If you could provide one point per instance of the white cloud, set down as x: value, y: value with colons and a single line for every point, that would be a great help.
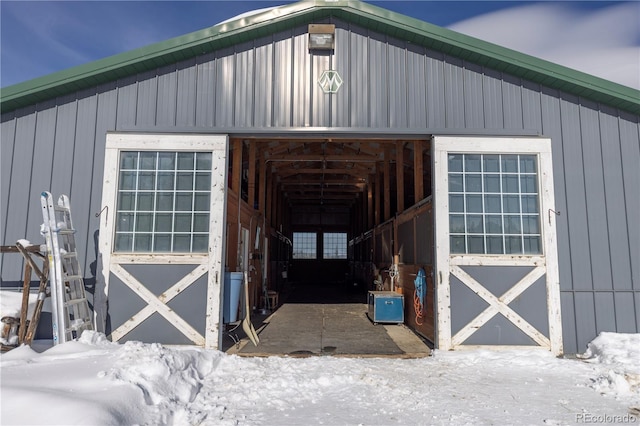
x: 602, y: 42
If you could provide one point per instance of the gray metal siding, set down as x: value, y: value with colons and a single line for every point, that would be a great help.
x: 388, y: 84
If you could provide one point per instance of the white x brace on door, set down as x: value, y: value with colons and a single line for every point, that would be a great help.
x: 164, y: 199
x: 494, y: 212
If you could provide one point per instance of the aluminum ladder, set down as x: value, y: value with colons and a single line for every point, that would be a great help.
x: 69, y: 306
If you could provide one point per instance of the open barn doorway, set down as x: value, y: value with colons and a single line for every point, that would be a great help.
x: 323, y: 204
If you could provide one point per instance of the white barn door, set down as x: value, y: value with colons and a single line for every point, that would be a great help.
x: 162, y: 237
x: 496, y: 255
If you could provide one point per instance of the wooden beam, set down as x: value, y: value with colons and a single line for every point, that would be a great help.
x: 400, y: 176
x: 291, y: 172
x: 262, y: 185
x: 360, y: 158
x: 236, y: 180
x: 418, y: 171
x: 386, y: 176
x: 251, y: 196
x: 325, y: 198
x: 377, y: 201
x: 370, y: 193
x: 351, y: 180
x: 269, y: 195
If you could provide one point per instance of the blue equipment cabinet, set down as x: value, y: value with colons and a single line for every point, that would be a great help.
x: 386, y: 306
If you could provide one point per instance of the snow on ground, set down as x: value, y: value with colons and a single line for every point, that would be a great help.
x: 96, y: 382
x: 93, y: 381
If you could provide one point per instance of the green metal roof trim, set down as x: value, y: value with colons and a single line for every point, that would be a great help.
x: 289, y: 16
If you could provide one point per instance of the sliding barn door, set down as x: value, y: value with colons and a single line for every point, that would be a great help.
x: 162, y: 238
x: 496, y: 255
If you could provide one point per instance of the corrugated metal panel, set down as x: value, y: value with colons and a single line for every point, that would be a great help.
x: 167, y: 94
x: 576, y: 214
x: 283, y: 82
x: 264, y: 90
x: 127, y: 102
x: 613, y: 200
x: 630, y: 152
x: 397, y: 72
x: 224, y: 89
x: 355, y: 111
x: 625, y: 309
x: 492, y: 100
x: 186, y: 94
x: 320, y: 101
x: 300, y: 97
x: 605, y: 309
x: 595, y: 202
x: 585, y: 319
x: 146, y: 110
x: 340, y: 61
x: 567, y: 309
x: 416, y: 87
x: 454, y: 93
x: 378, y: 83
x: 531, y: 111
x: 511, y: 102
x: 473, y: 96
x: 206, y: 93
x: 436, y: 114
x: 40, y: 180
x: 242, y: 75
x: 81, y: 182
x: 7, y: 145
x: 19, y: 196
x: 63, y: 149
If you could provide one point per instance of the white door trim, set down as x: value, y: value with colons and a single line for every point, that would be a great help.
x: 209, y: 263
x: 448, y: 264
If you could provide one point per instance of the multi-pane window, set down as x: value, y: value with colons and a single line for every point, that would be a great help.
x: 493, y: 204
x: 163, y: 202
x: 334, y: 245
x: 304, y: 245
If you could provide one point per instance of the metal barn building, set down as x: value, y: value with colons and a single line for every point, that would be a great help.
x: 334, y: 140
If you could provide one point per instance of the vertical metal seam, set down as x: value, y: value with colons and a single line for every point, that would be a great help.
x: 564, y: 178
x: 234, y: 89
x: 155, y: 115
x: 137, y: 97
x: 273, y: 82
x: 606, y: 217
x: 91, y: 191
x: 254, y: 70
x: 292, y: 79
x: 626, y: 216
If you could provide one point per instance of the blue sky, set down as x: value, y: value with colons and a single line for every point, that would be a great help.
x: 40, y: 37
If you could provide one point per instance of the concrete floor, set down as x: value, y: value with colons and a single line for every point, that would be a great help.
x: 324, y: 320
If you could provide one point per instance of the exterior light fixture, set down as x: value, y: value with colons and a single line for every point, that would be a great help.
x: 321, y: 36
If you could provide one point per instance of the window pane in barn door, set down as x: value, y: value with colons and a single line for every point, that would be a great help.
x: 159, y: 194
x: 493, y: 204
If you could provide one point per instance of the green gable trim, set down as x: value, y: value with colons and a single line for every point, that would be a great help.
x: 264, y: 24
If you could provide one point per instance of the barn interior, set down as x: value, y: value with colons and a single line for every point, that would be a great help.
x: 323, y: 220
